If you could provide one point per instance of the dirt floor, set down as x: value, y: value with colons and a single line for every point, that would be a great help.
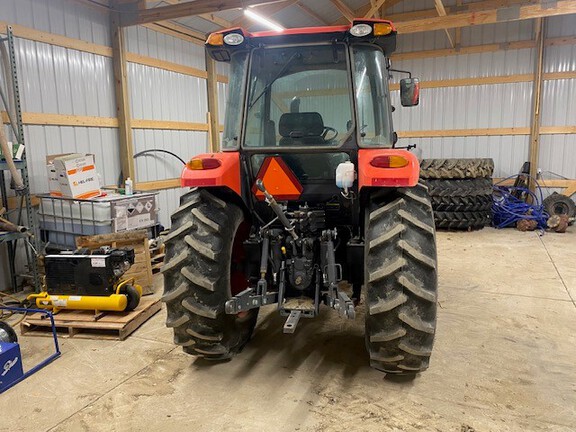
x: 504, y: 360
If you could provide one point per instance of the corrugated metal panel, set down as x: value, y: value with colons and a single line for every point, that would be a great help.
x: 199, y: 24
x: 158, y: 166
x: 293, y: 16
x: 141, y: 40
x: 65, y: 17
x: 64, y: 81
x: 168, y: 201
x: 508, y: 152
x: 492, y: 106
x: 561, y: 26
x: 158, y: 94
x: 57, y: 80
x: 486, y: 64
x: 557, y: 154
x: 46, y: 140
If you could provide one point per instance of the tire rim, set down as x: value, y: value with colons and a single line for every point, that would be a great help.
x: 561, y: 208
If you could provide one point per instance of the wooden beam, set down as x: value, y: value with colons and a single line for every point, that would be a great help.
x: 212, y: 91
x: 168, y: 125
x: 158, y: 185
x: 506, y: 131
x: 458, y: 31
x: 311, y: 13
x: 534, y: 148
x: 265, y: 10
x: 376, y: 4
x: 515, y: 13
x: 348, y: 13
x: 178, y: 31
x: 214, y: 19
x: 483, y: 5
x: 377, y: 13
x: 476, y: 49
x: 120, y: 69
x: 363, y: 10
x: 197, y: 7
x: 45, y: 119
x: 442, y: 12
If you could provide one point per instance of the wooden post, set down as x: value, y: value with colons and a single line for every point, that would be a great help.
x: 534, y: 148
x: 122, y: 97
x: 213, y: 118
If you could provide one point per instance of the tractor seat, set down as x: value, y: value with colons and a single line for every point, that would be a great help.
x: 301, y: 129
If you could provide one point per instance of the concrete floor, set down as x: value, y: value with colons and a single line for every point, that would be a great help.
x: 504, y: 360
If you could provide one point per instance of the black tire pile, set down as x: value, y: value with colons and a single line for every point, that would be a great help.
x: 460, y: 190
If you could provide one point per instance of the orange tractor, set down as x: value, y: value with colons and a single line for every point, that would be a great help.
x: 308, y: 191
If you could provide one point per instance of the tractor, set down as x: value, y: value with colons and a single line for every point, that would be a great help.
x: 308, y: 203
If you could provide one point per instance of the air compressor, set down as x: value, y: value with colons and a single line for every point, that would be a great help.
x: 86, y: 280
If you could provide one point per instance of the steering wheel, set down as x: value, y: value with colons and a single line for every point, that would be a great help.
x: 329, y: 129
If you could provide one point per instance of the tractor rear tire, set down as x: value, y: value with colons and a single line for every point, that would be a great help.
x: 198, y: 279
x: 465, y: 220
x: 459, y: 187
x: 401, y: 280
x: 456, y: 168
x: 476, y: 203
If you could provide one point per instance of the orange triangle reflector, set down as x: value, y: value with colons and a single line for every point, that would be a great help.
x: 278, y: 179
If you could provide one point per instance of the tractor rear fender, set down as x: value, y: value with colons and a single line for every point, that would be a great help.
x: 213, y: 170
x: 387, y: 168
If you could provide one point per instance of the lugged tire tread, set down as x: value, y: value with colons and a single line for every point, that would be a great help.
x: 197, y: 277
x: 400, y: 280
x: 456, y: 168
x: 459, y: 187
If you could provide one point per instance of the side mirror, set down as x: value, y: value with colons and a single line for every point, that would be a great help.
x: 410, y: 92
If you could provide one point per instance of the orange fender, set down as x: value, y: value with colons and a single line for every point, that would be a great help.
x: 225, y: 173
x: 392, y: 176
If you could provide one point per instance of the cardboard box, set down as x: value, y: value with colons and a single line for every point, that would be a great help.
x: 77, y: 176
x: 53, y: 182
x: 10, y: 364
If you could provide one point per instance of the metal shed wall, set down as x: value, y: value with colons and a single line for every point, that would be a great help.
x: 495, y: 105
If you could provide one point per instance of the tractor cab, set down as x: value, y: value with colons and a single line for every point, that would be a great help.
x: 312, y: 97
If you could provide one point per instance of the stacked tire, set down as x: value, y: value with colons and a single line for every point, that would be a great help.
x: 460, y: 190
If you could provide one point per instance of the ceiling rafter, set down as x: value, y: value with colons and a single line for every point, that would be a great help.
x: 465, y: 19
x: 197, y: 7
x: 442, y: 12
x: 266, y: 10
x: 214, y: 19
x: 363, y: 10
x: 376, y: 4
x: 348, y: 13
x: 311, y: 13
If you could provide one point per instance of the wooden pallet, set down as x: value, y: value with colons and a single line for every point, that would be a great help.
x: 141, y: 270
x: 85, y: 325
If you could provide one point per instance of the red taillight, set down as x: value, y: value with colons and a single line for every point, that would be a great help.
x: 203, y: 164
x: 392, y: 161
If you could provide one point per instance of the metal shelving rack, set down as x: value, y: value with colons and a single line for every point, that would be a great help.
x: 31, y: 242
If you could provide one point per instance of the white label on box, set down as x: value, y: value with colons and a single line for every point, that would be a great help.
x: 98, y: 262
x: 139, y: 221
x: 74, y: 298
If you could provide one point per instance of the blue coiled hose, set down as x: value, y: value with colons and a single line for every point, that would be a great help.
x: 508, y: 209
